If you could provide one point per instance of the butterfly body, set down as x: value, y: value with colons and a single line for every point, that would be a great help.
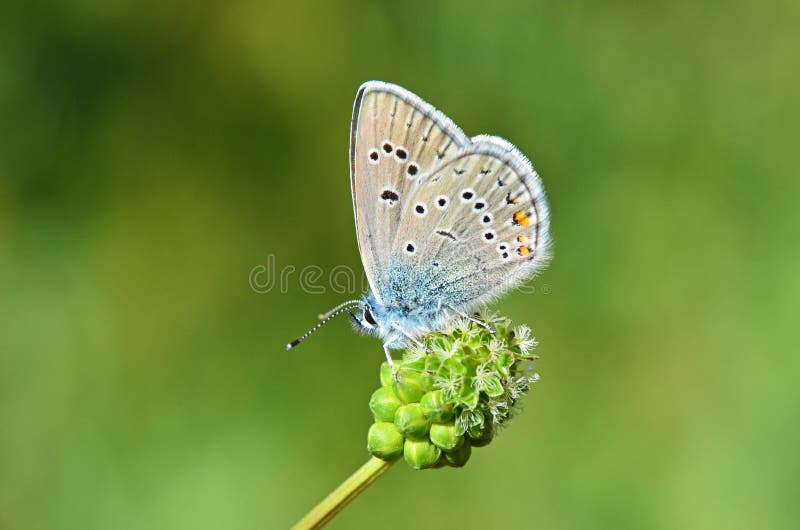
x: 445, y: 223
x: 415, y: 318
x: 413, y: 300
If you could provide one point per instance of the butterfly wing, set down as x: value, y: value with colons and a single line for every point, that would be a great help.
x: 396, y: 139
x: 475, y: 227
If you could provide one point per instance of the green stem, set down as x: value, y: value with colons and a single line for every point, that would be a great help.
x: 343, y: 495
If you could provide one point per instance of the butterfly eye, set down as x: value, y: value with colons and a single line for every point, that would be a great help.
x: 368, y: 318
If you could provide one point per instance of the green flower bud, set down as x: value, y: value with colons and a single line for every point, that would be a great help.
x: 481, y: 435
x: 426, y: 379
x: 384, y: 404
x: 421, y: 454
x: 386, y: 375
x: 413, y: 361
x: 442, y: 462
x: 504, y: 363
x: 410, y: 421
x: 501, y: 327
x: 443, y: 436
x: 436, y: 408
x: 460, y: 456
x: 384, y: 441
x: 432, y: 363
x: 408, y: 386
x: 455, y: 363
x: 469, y: 397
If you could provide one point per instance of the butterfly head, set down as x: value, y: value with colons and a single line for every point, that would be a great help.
x: 367, y: 317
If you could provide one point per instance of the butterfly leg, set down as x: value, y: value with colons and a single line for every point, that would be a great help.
x: 473, y: 319
x: 389, y: 357
x: 407, y: 335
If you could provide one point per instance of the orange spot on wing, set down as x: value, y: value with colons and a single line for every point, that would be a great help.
x: 521, y: 218
x: 521, y: 238
x: 523, y: 251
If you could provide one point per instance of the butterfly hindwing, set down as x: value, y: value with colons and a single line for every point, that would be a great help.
x: 475, y: 226
x: 396, y: 139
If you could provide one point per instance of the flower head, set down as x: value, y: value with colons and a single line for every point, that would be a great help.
x: 454, y: 396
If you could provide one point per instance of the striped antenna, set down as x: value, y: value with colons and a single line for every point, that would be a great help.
x: 349, y: 303
x: 325, y: 317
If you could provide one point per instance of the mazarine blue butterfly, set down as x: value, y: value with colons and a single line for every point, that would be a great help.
x: 445, y: 223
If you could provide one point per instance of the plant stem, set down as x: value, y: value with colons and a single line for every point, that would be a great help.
x: 343, y: 495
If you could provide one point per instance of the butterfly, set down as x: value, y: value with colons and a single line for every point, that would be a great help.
x: 445, y: 223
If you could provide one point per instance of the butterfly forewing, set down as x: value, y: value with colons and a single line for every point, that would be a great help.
x: 396, y: 140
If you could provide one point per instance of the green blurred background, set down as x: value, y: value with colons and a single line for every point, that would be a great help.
x: 153, y: 153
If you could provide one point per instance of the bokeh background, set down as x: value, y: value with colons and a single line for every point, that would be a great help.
x: 152, y: 154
